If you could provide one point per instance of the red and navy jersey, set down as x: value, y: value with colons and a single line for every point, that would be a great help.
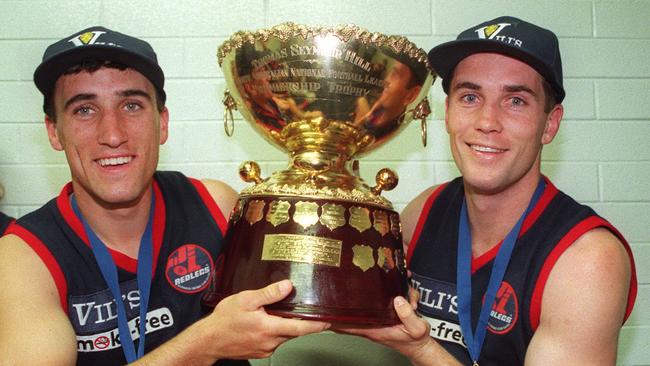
x: 4, y: 222
x: 549, y: 229
x: 188, y: 231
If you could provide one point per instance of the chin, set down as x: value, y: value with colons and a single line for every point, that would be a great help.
x: 480, y: 183
x: 120, y: 198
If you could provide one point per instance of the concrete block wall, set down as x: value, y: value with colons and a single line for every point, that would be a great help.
x: 600, y: 155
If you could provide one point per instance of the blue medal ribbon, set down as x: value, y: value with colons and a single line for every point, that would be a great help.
x: 474, y: 340
x: 109, y: 272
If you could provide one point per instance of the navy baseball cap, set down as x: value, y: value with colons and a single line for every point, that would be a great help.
x: 98, y: 43
x: 536, y: 46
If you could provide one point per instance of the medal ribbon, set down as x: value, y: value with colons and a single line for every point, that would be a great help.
x: 109, y: 272
x: 474, y: 340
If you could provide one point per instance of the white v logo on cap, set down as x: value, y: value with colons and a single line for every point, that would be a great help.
x: 491, y: 31
x: 86, y: 38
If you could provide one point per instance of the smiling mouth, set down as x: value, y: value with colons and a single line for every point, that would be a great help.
x: 485, y: 149
x: 115, y: 161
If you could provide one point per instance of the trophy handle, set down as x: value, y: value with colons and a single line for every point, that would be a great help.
x: 386, y: 180
x: 422, y: 111
x: 423, y: 128
x: 228, y: 119
x: 355, y: 168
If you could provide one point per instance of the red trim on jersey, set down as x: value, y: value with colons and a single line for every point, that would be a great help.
x: 483, y: 259
x: 424, y: 213
x: 550, y: 191
x: 121, y: 260
x: 48, y: 259
x: 547, y: 196
x: 7, y: 228
x: 212, y: 205
x: 581, y: 228
x: 158, y: 229
x: 63, y: 203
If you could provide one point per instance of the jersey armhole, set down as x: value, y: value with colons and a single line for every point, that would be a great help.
x: 582, y: 227
x: 212, y: 205
x: 424, y: 214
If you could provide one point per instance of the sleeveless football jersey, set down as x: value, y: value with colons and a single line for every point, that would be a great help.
x: 551, y: 227
x: 188, y: 230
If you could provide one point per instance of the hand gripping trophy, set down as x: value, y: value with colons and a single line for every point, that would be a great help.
x: 325, y: 96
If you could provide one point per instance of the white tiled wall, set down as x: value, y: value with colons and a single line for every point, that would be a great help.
x: 601, y: 155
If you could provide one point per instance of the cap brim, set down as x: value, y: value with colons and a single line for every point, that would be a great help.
x: 444, y: 58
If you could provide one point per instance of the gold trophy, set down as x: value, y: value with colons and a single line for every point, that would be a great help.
x: 325, y: 95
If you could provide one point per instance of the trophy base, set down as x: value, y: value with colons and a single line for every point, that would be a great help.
x: 347, y: 316
x: 344, y: 259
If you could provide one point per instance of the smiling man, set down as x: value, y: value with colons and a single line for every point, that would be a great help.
x: 113, y: 269
x: 509, y: 269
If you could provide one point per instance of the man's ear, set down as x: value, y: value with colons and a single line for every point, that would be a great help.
x: 53, y: 134
x: 447, y: 114
x: 164, y: 125
x: 553, y: 120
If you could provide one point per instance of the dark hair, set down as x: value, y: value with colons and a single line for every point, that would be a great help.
x: 549, y: 96
x: 92, y: 66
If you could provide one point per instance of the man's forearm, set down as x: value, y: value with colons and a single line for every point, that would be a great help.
x: 433, y: 354
x: 187, y: 348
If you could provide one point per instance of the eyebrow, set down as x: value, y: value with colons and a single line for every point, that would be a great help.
x: 467, y: 85
x: 135, y: 92
x: 79, y: 97
x: 519, y: 88
x: 91, y: 96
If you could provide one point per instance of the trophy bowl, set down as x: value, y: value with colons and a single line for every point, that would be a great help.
x: 324, y: 95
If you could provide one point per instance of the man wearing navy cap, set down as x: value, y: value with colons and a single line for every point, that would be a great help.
x: 509, y: 270
x: 113, y: 269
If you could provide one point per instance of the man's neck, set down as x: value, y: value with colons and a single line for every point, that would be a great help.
x: 119, y: 228
x: 492, y: 216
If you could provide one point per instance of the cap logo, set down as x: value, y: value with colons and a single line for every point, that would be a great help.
x: 492, y: 32
x: 86, y: 38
